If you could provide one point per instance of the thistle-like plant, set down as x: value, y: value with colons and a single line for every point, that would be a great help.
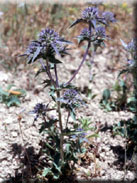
x: 60, y: 146
x: 44, y: 49
x: 130, y: 132
x: 95, y: 33
x: 116, y: 98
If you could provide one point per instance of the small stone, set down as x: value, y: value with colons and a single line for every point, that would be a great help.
x: 14, y: 134
x: 4, y: 76
x: 102, y: 155
x: 4, y: 162
x: 107, y: 149
x: 9, y: 120
x: 3, y: 145
x: 2, y: 156
x: 102, y: 172
x: 107, y: 154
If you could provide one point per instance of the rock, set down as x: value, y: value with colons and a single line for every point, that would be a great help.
x: 102, y: 172
x: 3, y: 145
x: 4, y: 76
x: 102, y: 155
x: 14, y: 134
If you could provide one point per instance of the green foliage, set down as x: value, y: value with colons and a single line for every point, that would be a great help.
x: 120, y: 101
x: 106, y: 100
x: 85, y: 124
x: 11, y: 97
x: 131, y: 102
x: 55, y: 167
x: 63, y: 140
x: 127, y: 129
x: 74, y: 137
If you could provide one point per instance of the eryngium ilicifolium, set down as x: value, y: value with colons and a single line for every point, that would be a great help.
x: 101, y: 32
x: 48, y: 44
x: 93, y: 16
x: 39, y: 109
x: 97, y: 35
x: 71, y: 99
x: 81, y: 135
x: 85, y: 35
x: 90, y: 13
x: 131, y: 47
x: 108, y: 17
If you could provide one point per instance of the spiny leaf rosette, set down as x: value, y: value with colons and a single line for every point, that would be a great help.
x: 49, y: 44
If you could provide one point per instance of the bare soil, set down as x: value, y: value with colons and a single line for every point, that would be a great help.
x: 19, y: 137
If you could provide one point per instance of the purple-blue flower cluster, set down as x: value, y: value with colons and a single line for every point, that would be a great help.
x: 97, y: 21
x: 71, y: 98
x: 101, y: 32
x: 48, y: 44
x: 108, y: 17
x: 39, y: 109
x: 92, y: 16
x: 96, y: 36
x: 131, y: 47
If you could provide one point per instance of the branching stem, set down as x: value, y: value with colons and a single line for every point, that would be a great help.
x: 83, y: 60
x: 56, y: 75
x: 47, y: 71
x: 67, y: 118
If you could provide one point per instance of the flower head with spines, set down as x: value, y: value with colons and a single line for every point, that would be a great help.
x: 39, y: 109
x: 49, y: 44
x: 71, y: 99
x: 101, y: 32
x: 131, y: 47
x: 92, y: 16
x: 108, y: 17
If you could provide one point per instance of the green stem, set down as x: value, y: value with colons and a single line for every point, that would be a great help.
x: 61, y: 127
x: 67, y: 119
x: 135, y: 91
x: 56, y: 75
x: 83, y: 60
x: 49, y: 73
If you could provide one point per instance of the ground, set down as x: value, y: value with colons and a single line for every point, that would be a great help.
x: 19, y: 136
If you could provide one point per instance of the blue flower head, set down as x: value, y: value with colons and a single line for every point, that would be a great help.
x: 101, y: 32
x: 39, y: 109
x: 108, y: 17
x: 48, y: 44
x: 90, y: 13
x: 131, y: 46
x: 92, y: 16
x: 71, y: 98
